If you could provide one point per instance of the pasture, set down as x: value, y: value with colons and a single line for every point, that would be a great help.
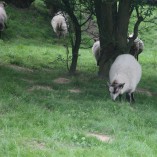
x: 47, y: 113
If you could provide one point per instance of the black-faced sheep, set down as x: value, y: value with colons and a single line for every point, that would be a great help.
x: 124, y: 75
x: 137, y: 47
x: 96, y: 50
x: 59, y: 24
x: 3, y: 17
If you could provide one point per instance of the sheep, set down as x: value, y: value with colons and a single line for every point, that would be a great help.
x: 3, y: 17
x: 137, y: 47
x: 124, y: 75
x: 59, y: 25
x: 96, y: 50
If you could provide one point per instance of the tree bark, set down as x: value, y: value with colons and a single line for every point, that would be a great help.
x: 113, y: 20
x: 75, y: 49
x: 77, y: 40
x: 105, y: 20
x: 122, y: 25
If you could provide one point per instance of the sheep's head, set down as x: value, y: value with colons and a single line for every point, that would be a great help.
x: 3, y: 4
x: 115, y: 89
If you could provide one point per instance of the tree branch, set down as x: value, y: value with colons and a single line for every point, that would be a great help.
x: 136, y: 26
x: 86, y: 20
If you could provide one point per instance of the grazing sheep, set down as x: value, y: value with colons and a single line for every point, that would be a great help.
x: 96, y: 50
x: 137, y: 47
x: 3, y: 17
x: 59, y: 25
x: 124, y: 75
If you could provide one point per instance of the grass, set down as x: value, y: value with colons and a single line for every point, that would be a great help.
x: 39, y: 117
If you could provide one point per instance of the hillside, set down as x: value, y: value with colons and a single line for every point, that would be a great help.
x: 46, y: 112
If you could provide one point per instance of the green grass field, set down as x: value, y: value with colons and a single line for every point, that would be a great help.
x: 44, y: 116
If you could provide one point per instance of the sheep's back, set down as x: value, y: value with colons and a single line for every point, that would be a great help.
x: 58, y: 19
x: 96, y: 49
x: 126, y: 66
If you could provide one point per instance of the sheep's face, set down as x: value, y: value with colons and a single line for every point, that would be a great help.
x: 3, y: 4
x: 115, y: 90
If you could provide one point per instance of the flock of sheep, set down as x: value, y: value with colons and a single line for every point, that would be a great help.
x: 125, y: 72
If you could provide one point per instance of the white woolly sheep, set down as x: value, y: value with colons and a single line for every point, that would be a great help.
x: 124, y: 75
x: 59, y: 25
x: 96, y: 50
x: 137, y: 47
x: 3, y: 17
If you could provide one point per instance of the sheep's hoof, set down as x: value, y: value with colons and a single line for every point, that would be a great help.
x: 132, y: 98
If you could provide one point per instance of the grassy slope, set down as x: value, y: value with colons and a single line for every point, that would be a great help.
x: 54, y: 122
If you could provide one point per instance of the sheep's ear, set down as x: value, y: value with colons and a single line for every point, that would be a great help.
x: 121, y: 85
x: 95, y: 39
x: 5, y: 4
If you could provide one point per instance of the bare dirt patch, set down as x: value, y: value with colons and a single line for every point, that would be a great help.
x: 27, y: 80
x: 74, y: 90
x: 36, y: 144
x: 62, y: 80
x: 103, y: 138
x: 18, y: 68
x: 46, y: 70
x: 146, y: 92
x: 39, y: 87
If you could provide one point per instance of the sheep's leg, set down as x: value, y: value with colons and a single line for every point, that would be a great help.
x: 132, y: 98
x: 120, y: 97
x: 137, y: 57
x: 128, y: 97
x: 5, y: 25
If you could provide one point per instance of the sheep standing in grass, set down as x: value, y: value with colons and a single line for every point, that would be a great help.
x: 124, y: 75
x: 3, y: 17
x: 96, y: 50
x: 137, y: 47
x: 59, y: 25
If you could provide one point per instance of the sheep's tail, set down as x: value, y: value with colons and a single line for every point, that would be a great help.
x: 59, y: 27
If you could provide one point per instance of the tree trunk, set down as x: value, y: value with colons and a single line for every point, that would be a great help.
x: 113, y: 20
x: 104, y: 70
x: 77, y: 40
x: 122, y: 25
x: 105, y: 20
x: 75, y: 49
